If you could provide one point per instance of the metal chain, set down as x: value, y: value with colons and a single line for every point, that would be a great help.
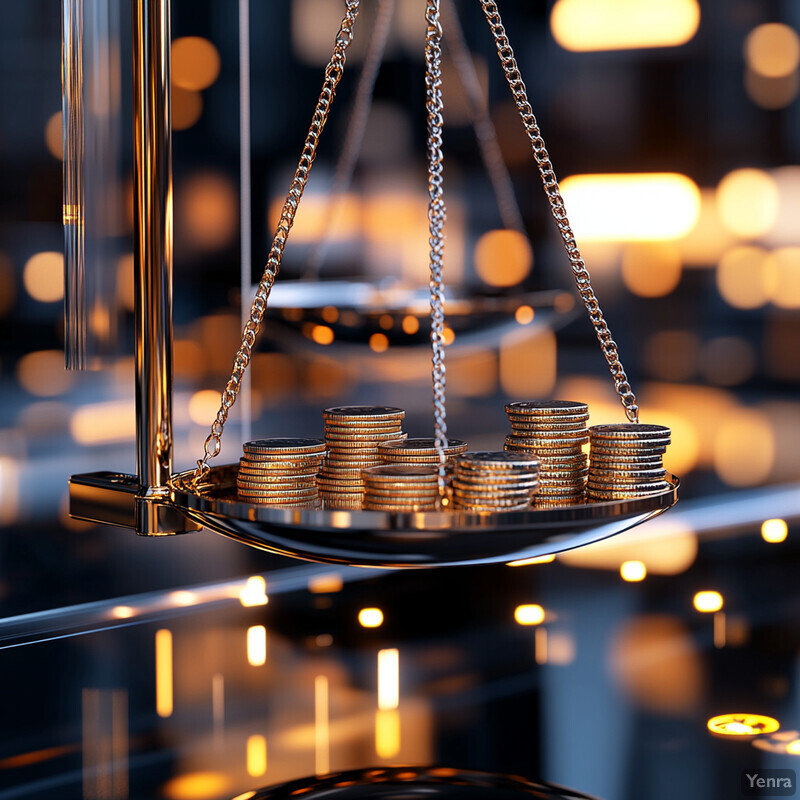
x: 333, y: 74
x: 540, y: 154
x: 436, y: 218
x: 354, y: 136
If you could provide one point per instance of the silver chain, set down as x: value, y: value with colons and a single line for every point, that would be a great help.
x: 436, y: 218
x: 333, y: 74
x: 551, y: 188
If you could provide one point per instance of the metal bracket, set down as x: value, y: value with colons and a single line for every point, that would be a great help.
x: 114, y: 498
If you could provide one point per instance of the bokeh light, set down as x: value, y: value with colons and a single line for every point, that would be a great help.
x: 748, y: 202
x: 43, y: 277
x: 203, y: 406
x: 42, y: 373
x: 708, y: 601
x: 503, y: 258
x: 195, y: 63
x: 54, y: 136
x: 529, y: 614
x: 370, y: 618
x: 744, y: 448
x: 728, y: 360
x: 772, y: 50
x: 322, y: 334
x: 208, y: 205
x: 187, y: 108
x: 379, y: 342
x: 742, y: 724
x: 745, y: 277
x: 633, y: 571
x: 774, y: 531
x: 771, y: 93
x: 584, y: 25
x: 783, y: 277
x: 410, y: 324
x: 651, y: 269
x: 524, y: 315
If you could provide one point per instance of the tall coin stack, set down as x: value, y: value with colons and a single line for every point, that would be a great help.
x: 626, y: 460
x: 555, y: 431
x: 280, y: 472
x: 401, y: 487
x: 352, y: 436
x: 501, y: 481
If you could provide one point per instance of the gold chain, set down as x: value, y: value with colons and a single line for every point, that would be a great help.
x: 333, y: 74
x: 579, y: 271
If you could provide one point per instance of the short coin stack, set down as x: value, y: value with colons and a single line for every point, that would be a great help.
x: 352, y: 436
x: 494, y: 481
x: 401, y: 487
x: 555, y: 432
x: 280, y: 472
x: 626, y: 460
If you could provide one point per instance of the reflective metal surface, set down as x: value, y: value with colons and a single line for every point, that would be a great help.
x: 402, y: 783
x: 152, y: 145
x: 371, y: 538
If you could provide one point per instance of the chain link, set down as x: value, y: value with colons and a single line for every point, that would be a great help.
x: 553, y: 192
x: 436, y: 218
x: 333, y: 74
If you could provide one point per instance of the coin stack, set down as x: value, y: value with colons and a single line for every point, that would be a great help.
x: 401, y: 487
x: 418, y: 451
x: 280, y: 472
x: 626, y: 460
x: 352, y: 436
x: 555, y: 431
x: 501, y: 481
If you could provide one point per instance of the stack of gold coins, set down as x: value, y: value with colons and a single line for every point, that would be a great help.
x: 501, y: 481
x: 401, y: 487
x: 626, y: 460
x: 418, y: 451
x: 555, y: 431
x: 280, y: 471
x: 352, y: 436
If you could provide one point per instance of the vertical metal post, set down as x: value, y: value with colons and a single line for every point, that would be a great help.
x: 152, y: 181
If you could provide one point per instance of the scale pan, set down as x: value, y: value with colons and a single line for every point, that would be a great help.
x: 404, y: 783
x: 406, y: 539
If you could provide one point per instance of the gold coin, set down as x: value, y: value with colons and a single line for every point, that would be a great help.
x: 625, y: 493
x: 425, y: 446
x: 630, y: 431
x: 547, y: 407
x: 272, y: 462
x: 281, y: 446
x: 623, y: 459
x: 490, y: 508
x: 389, y: 472
x: 348, y: 413
x: 496, y: 460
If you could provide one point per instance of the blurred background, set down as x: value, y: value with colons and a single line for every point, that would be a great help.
x: 148, y: 668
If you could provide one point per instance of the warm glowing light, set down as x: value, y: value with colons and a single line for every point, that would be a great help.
x: 195, y: 63
x: 379, y: 342
x: 122, y: 612
x: 793, y: 748
x: 9, y: 490
x: 745, y: 277
x: 370, y: 617
x: 254, y: 592
x: 448, y: 335
x: 322, y: 334
x: 245, y: 796
x: 410, y: 324
x: 183, y: 598
x: 658, y: 206
x: 327, y: 583
x: 524, y: 562
x: 728, y: 360
x: 207, y: 204
x: 256, y: 645
x: 523, y: 376
x: 187, y: 108
x: 322, y: 755
x: 503, y: 258
x: 524, y: 315
x: 256, y: 756
x: 330, y: 314
x: 529, y: 614
x: 54, y: 136
x: 42, y: 373
x: 203, y: 406
x: 708, y: 601
x: 633, y: 571
x: 388, y: 679
x: 747, y: 201
x: 745, y: 436
x: 43, y: 277
x: 772, y: 50
x: 386, y: 321
x: 651, y: 269
x: 742, y: 724
x: 774, y: 531
x: 197, y: 786
x: 583, y: 25
x: 103, y: 423
x: 387, y: 733
x: 783, y: 278
x: 164, y: 672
